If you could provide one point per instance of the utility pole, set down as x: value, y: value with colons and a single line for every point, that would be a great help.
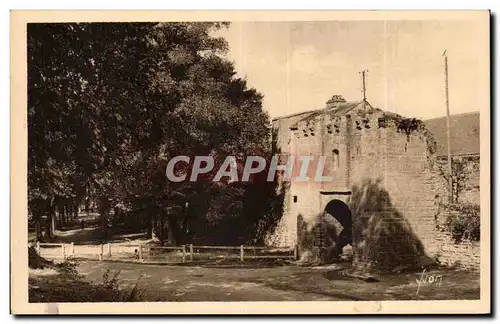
x: 450, y: 171
x: 320, y: 236
x: 363, y: 78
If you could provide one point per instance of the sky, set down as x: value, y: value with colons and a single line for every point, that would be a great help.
x: 298, y: 66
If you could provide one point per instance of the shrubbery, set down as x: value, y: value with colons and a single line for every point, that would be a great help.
x: 69, y: 286
x: 35, y: 261
x: 463, y: 221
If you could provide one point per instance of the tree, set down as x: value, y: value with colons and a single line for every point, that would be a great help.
x: 110, y: 103
x: 459, y: 177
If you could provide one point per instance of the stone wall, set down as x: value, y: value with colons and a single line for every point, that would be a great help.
x: 466, y: 181
x: 465, y: 254
x: 394, y: 193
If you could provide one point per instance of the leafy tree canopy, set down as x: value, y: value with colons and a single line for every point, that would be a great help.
x: 110, y: 103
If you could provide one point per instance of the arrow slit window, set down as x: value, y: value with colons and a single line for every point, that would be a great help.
x: 335, y: 158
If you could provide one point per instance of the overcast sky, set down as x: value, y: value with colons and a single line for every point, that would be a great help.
x: 298, y: 66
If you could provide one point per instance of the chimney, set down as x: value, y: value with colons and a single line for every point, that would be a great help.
x: 334, y: 101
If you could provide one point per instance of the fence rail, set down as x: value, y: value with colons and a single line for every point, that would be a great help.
x: 168, y: 254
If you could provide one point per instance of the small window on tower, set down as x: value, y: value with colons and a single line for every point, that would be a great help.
x: 336, y: 160
x: 294, y: 199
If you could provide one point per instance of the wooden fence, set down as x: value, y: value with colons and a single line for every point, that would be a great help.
x: 167, y: 254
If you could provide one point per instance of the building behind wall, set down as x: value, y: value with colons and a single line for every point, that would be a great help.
x: 385, y: 170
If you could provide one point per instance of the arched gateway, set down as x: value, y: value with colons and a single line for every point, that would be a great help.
x: 338, y: 225
x: 341, y: 213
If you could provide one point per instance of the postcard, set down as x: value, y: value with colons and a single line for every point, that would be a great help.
x: 250, y: 162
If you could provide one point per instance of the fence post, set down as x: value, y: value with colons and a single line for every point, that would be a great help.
x: 242, y: 253
x: 109, y: 250
x: 191, y: 253
x: 37, y: 247
x: 183, y: 253
x: 140, y: 252
x: 100, y: 254
x: 72, y: 248
x: 63, y: 251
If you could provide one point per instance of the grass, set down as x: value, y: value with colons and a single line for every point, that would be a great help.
x: 60, y: 282
x: 63, y: 287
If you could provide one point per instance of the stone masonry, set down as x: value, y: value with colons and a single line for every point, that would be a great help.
x: 384, y: 171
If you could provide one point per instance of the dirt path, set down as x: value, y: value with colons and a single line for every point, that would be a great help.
x: 179, y: 283
x: 287, y: 283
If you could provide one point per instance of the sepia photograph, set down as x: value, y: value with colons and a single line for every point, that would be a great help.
x: 194, y: 160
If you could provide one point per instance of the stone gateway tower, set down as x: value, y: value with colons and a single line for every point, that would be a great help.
x: 385, y: 191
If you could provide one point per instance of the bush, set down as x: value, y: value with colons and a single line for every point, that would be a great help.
x: 463, y: 221
x: 69, y: 286
x: 66, y: 287
x: 37, y: 262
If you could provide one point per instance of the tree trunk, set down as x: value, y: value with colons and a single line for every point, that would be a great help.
x: 69, y: 212
x: 51, y: 222
x: 55, y: 218
x: 75, y: 209
x: 150, y: 227
x: 37, y: 209
x: 173, y: 231
x: 104, y: 208
x: 37, y: 216
x: 154, y: 237
x: 38, y: 230
x: 58, y: 214
x: 162, y: 231
x: 171, y: 236
x: 49, y: 226
x: 104, y: 226
x: 63, y: 214
x: 76, y: 202
x: 116, y: 215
